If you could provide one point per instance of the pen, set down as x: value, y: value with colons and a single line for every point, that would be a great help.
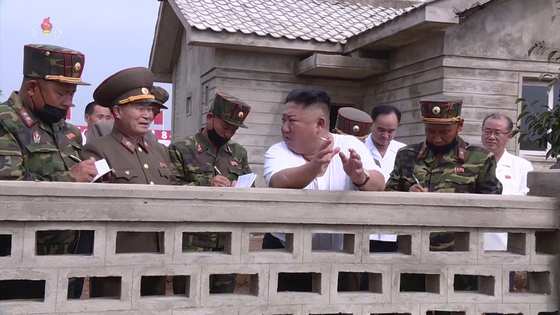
x: 217, y: 170
x: 416, y: 179
x: 74, y: 158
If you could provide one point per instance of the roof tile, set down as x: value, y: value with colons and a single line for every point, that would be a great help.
x: 321, y: 20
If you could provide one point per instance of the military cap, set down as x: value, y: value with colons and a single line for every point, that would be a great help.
x: 126, y: 86
x: 232, y: 110
x: 352, y: 121
x: 161, y: 96
x: 441, y: 110
x: 53, y: 63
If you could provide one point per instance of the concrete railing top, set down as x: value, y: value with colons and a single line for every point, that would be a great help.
x: 41, y: 201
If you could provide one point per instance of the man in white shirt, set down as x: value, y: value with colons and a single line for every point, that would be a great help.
x: 511, y: 170
x: 383, y: 148
x: 310, y: 157
x: 380, y: 142
x: 94, y: 113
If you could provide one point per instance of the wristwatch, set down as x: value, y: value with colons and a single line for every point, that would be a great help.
x: 365, y: 181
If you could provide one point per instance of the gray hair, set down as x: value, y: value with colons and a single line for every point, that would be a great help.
x: 499, y: 116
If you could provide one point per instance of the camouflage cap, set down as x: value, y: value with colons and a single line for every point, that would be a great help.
x: 53, y: 63
x: 441, y: 110
x: 232, y: 110
x: 126, y: 86
x: 352, y: 121
x: 161, y: 96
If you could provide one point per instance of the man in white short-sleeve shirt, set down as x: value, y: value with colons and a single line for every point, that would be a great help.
x: 383, y: 148
x: 511, y: 170
x: 310, y: 157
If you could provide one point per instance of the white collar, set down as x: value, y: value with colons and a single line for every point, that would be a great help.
x: 393, y: 147
x: 506, y: 159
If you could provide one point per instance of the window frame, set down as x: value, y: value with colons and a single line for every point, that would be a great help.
x: 533, y: 80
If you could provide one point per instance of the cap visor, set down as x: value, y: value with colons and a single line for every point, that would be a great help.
x: 440, y: 123
x: 69, y: 81
x: 160, y: 104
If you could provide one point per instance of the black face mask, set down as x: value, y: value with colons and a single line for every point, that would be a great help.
x: 442, y: 149
x: 216, y: 138
x: 49, y: 114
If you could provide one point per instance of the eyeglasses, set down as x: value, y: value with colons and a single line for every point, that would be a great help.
x: 497, y: 133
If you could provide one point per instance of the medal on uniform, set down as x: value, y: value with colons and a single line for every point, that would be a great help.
x: 36, y: 137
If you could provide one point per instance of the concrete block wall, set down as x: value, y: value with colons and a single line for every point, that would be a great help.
x: 167, y: 210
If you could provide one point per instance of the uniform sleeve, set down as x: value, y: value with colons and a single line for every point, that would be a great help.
x: 178, y: 166
x: 176, y: 162
x: 89, y: 151
x: 11, y: 162
x: 487, y: 182
x: 393, y: 184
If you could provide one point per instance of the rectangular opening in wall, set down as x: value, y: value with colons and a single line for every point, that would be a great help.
x: 271, y: 242
x: 390, y: 314
x: 359, y: 282
x: 327, y: 242
x: 474, y: 283
x: 548, y: 313
x: 29, y: 290
x: 444, y: 313
x: 517, y: 243
x: 64, y: 242
x: 247, y: 284
x: 5, y: 245
x: 502, y: 313
x: 388, y: 243
x: 306, y: 282
x: 418, y: 282
x: 197, y: 242
x: 99, y: 287
x: 512, y: 243
x: 546, y: 242
x: 530, y: 282
x: 165, y: 286
x: 449, y: 241
x: 139, y: 242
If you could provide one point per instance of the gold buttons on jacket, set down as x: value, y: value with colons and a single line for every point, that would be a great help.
x: 139, y: 149
x: 146, y: 166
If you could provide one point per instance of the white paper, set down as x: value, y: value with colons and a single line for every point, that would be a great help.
x: 245, y: 181
x: 102, y: 169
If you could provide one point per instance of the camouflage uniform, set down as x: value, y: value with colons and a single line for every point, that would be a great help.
x: 464, y: 169
x: 194, y: 159
x: 33, y: 150
x: 194, y: 162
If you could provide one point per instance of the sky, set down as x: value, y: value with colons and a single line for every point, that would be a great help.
x: 113, y: 35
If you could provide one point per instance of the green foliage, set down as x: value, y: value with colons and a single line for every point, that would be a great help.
x: 543, y: 126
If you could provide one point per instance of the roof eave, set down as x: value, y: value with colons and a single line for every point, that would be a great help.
x: 404, y: 29
x: 167, y: 35
x: 253, y: 42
